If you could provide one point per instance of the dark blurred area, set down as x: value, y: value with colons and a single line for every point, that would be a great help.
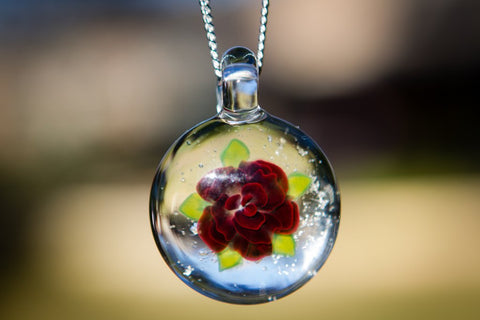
x: 92, y: 93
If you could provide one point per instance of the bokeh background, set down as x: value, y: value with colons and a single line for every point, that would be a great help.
x: 92, y: 93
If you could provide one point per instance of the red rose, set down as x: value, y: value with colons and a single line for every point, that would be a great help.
x: 249, y: 205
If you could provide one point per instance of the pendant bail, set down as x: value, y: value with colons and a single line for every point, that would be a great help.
x: 239, y: 86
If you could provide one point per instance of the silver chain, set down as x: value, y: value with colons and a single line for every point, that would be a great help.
x: 212, y: 39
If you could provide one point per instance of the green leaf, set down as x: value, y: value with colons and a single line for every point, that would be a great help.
x: 298, y: 183
x: 234, y: 153
x: 193, y: 206
x: 228, y: 259
x: 283, y: 244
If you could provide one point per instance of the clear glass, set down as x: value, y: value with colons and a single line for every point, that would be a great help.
x: 197, y: 153
x: 244, y: 207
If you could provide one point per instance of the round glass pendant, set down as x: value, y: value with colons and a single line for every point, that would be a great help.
x: 244, y: 207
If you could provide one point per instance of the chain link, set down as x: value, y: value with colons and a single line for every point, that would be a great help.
x: 261, y: 34
x: 212, y: 38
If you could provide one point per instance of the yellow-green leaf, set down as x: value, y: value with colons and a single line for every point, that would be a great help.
x: 298, y: 183
x: 283, y: 244
x: 193, y: 206
x: 234, y: 153
x: 228, y: 259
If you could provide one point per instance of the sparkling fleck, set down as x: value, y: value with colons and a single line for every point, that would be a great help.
x: 193, y: 229
x: 204, y: 252
x: 301, y: 151
x: 188, y: 271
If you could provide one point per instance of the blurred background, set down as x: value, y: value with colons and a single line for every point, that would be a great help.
x: 92, y: 93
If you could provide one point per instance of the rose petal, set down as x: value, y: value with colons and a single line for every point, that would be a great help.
x: 282, y: 179
x: 287, y: 217
x: 296, y: 220
x: 251, y: 168
x: 275, y: 193
x: 233, y: 202
x: 254, y: 193
x: 250, y: 210
x: 251, y: 251
x: 271, y: 223
x: 261, y: 235
x: 208, y: 233
x: 249, y: 222
x: 220, y: 181
x: 246, y: 198
x: 223, y: 221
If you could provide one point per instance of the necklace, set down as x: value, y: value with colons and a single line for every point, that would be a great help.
x: 244, y: 206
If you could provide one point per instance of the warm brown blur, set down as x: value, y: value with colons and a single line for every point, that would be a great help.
x: 92, y: 93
